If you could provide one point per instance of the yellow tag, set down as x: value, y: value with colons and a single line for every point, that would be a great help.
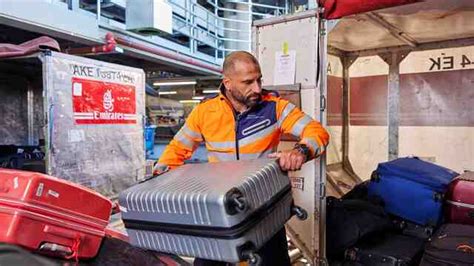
x: 285, y: 48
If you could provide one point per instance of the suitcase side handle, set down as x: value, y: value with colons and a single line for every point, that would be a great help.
x: 69, y: 251
x: 57, y: 231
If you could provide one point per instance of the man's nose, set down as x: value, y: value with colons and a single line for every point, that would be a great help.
x: 256, y: 88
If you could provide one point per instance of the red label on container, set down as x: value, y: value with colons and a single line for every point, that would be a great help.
x: 98, y: 102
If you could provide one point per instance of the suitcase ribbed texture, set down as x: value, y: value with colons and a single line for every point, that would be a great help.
x: 186, y: 198
x: 214, y: 248
x: 186, y: 194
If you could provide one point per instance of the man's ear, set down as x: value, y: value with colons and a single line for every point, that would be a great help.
x: 227, y: 83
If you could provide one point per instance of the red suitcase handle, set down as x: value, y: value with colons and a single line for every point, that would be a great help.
x: 61, y: 232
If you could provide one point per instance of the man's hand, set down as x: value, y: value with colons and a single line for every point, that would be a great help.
x: 290, y: 160
x: 160, y: 169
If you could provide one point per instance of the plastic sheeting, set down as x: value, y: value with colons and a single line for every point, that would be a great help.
x: 334, y: 9
x: 95, y: 114
x: 421, y: 23
x: 29, y: 47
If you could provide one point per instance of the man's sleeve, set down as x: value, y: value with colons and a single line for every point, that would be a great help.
x: 292, y: 120
x: 182, y: 145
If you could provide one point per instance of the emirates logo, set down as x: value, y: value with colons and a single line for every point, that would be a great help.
x: 108, y: 101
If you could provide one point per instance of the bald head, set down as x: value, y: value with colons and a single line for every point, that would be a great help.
x: 242, y: 80
x: 237, y: 59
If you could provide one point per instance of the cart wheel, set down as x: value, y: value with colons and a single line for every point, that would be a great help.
x: 255, y: 259
x: 300, y: 213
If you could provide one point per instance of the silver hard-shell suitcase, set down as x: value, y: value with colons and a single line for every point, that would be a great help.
x: 221, y: 211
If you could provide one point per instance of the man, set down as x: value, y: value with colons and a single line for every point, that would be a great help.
x: 241, y: 123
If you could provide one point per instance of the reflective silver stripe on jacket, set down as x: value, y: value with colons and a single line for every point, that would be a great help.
x: 299, y: 126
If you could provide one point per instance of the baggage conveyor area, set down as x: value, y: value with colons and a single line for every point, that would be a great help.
x: 389, y: 84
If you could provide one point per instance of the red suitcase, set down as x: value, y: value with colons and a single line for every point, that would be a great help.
x: 51, y: 215
x: 460, y: 200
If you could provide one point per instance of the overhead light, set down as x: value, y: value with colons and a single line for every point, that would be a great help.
x: 198, y: 97
x: 210, y: 91
x: 167, y: 92
x: 190, y: 101
x: 173, y: 83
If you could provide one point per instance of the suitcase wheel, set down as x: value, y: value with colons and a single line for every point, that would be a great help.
x: 300, y: 213
x: 255, y: 259
x: 247, y: 252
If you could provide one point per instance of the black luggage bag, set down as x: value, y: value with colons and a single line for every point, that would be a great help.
x: 386, y: 250
x: 349, y: 221
x: 452, y: 244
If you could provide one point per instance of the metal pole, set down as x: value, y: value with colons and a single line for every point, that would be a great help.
x: 98, y: 7
x: 48, y: 108
x: 346, y: 64
x: 31, y: 117
x: 393, y: 99
x: 393, y: 107
x: 216, y: 29
x: 192, y: 41
x: 249, y: 36
x: 320, y: 182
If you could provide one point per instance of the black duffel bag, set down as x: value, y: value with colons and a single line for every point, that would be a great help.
x: 350, y: 220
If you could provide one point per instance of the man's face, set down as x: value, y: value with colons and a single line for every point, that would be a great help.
x: 245, y: 83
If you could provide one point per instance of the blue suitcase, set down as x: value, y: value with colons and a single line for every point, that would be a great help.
x: 411, y: 189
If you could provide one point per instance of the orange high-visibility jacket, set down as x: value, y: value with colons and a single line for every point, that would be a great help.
x: 249, y: 135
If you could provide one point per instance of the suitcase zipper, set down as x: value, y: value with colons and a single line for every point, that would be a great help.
x: 436, y: 183
x: 233, y: 232
x: 52, y: 220
x: 57, y: 214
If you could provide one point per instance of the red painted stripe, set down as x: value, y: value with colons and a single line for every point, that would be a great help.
x: 426, y: 99
x: 368, y: 101
x: 334, y: 101
x: 437, y: 99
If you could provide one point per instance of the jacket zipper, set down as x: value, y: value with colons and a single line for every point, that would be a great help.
x: 237, y: 119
